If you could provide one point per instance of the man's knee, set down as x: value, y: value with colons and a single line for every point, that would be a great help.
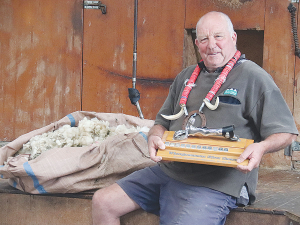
x: 113, y: 200
x: 101, y: 199
x: 103, y: 210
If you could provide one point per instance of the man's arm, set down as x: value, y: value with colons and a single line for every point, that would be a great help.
x: 255, y: 151
x: 154, y: 141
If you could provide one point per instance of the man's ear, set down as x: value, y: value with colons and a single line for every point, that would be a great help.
x: 197, y: 42
x: 234, y: 37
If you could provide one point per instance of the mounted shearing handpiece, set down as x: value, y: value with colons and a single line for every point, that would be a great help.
x: 192, y: 131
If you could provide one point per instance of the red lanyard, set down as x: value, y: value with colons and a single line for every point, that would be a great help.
x: 206, y: 101
x: 220, y: 80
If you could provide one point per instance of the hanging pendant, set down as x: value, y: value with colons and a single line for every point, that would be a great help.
x: 211, y: 106
x: 182, y: 111
x: 206, y: 102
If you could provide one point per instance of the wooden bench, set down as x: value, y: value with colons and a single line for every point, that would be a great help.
x: 278, y: 203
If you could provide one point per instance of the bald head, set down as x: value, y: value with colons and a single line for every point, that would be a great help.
x: 216, y: 39
x: 222, y: 16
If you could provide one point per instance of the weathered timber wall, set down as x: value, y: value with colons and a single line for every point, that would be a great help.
x: 57, y: 58
x: 40, y: 66
x: 108, y: 55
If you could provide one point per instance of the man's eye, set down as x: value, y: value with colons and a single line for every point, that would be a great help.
x: 218, y: 37
x: 203, y: 39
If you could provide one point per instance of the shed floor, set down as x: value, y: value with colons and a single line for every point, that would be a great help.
x: 278, y: 192
x: 278, y: 199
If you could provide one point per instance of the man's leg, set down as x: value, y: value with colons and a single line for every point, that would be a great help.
x: 185, y: 204
x: 109, y: 204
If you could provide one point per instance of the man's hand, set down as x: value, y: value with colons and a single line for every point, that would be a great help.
x: 255, y: 151
x: 155, y: 142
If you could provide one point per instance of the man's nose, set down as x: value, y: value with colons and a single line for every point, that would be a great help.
x: 211, y: 42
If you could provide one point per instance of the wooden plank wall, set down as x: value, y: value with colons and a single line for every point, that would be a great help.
x: 243, y: 14
x: 279, y: 61
x: 108, y: 58
x: 40, y: 66
x: 42, y: 52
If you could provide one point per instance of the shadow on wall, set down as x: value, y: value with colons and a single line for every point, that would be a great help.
x: 249, y: 42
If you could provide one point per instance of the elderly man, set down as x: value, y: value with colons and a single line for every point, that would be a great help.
x: 186, y: 193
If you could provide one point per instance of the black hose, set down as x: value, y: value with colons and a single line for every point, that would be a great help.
x: 292, y: 9
x: 134, y: 94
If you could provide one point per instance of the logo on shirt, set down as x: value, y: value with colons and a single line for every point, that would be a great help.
x: 231, y: 91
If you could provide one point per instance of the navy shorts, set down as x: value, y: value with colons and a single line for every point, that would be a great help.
x: 174, y: 201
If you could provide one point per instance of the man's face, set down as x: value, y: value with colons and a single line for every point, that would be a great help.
x: 215, y: 43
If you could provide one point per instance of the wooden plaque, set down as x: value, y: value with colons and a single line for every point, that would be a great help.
x: 217, y: 151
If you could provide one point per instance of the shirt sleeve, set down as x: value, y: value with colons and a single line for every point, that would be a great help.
x: 171, y: 104
x: 272, y: 115
x: 166, y: 109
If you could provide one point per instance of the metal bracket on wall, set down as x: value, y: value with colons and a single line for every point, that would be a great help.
x: 294, y: 151
x: 294, y: 147
x: 94, y: 5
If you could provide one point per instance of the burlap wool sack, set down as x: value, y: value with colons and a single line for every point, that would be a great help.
x: 76, y: 169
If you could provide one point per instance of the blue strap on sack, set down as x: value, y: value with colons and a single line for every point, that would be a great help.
x: 72, y: 119
x: 36, y: 183
x: 144, y: 135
